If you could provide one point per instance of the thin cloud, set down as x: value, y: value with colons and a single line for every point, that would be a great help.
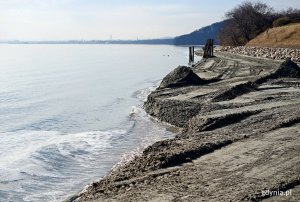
x: 124, y: 19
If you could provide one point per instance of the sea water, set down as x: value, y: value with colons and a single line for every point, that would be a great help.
x: 69, y: 113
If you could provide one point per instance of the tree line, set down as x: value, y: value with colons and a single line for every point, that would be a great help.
x: 249, y: 19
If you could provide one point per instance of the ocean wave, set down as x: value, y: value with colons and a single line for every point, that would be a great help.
x: 36, y: 161
x: 142, y: 94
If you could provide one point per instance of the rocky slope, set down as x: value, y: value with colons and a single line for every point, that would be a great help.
x: 239, y: 137
x: 265, y: 52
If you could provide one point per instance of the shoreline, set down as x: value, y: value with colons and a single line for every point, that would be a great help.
x: 229, y: 126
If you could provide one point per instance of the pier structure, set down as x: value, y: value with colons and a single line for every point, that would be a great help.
x: 208, y: 49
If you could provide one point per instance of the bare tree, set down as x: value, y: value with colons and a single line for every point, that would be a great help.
x: 230, y: 34
x: 247, y: 21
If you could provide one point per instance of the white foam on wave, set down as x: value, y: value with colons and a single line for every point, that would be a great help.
x: 146, y: 131
x: 45, y: 165
x: 28, y: 157
x: 134, y: 110
x: 143, y: 93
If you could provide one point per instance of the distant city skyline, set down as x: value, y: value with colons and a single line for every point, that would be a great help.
x: 114, y: 19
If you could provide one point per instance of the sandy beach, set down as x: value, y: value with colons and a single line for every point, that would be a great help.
x: 239, y: 137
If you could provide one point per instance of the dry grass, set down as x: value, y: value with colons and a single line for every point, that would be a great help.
x: 286, y: 36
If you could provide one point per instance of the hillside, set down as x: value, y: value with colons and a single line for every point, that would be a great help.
x: 199, y: 37
x: 285, y: 36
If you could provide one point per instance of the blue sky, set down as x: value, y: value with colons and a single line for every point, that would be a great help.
x: 121, y: 19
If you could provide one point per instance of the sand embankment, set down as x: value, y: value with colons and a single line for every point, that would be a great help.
x: 240, y: 136
x: 285, y: 36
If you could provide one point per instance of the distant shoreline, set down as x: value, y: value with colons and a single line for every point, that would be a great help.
x: 150, y: 41
x: 95, y: 43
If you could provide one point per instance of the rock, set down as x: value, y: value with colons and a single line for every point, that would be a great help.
x: 265, y: 52
x: 181, y: 76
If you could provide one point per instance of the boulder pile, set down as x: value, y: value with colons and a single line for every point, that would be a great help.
x: 265, y: 52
